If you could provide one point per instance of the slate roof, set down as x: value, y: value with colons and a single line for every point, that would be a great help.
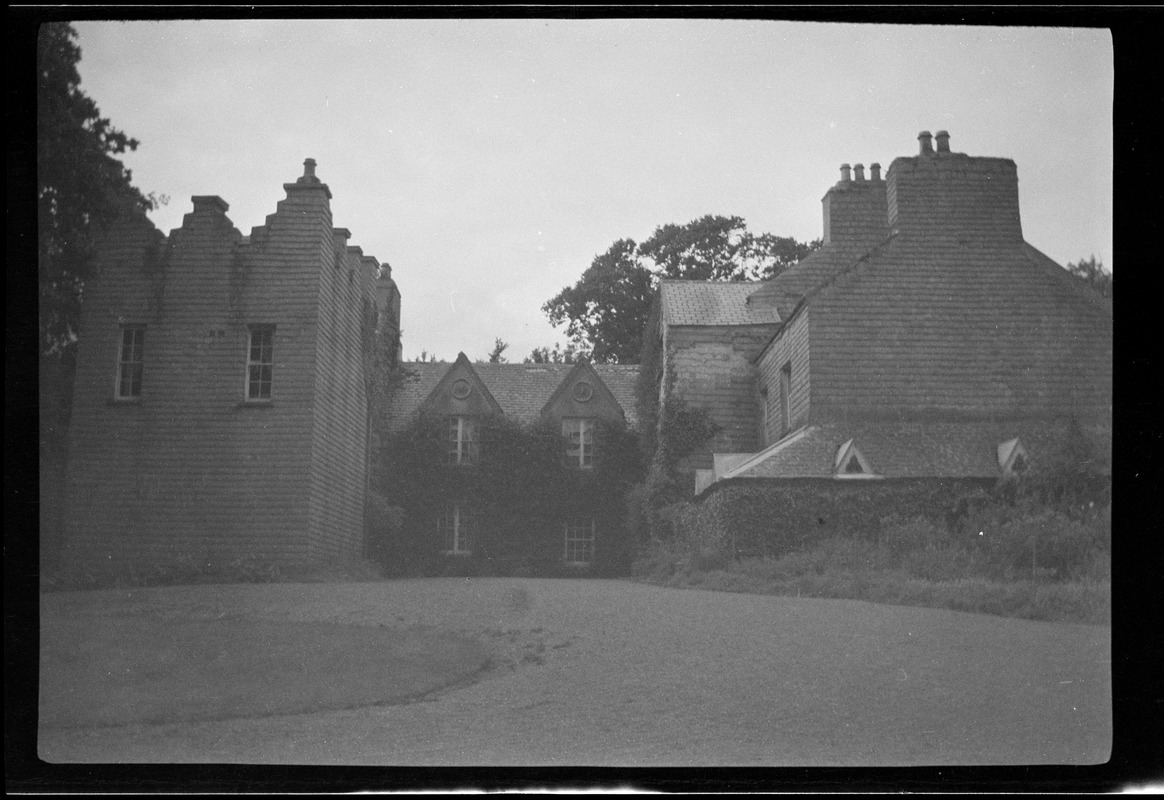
x: 522, y: 390
x: 712, y: 303
x: 982, y: 329
x: 787, y: 289
x: 898, y: 450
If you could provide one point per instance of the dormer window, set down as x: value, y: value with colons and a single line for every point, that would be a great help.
x: 850, y: 463
x: 462, y: 442
x: 1012, y: 458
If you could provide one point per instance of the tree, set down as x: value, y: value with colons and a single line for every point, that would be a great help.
x: 607, y: 309
x: 499, y: 347
x: 544, y: 355
x: 1092, y: 271
x: 81, y: 187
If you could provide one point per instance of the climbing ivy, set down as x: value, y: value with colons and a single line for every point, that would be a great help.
x: 521, y: 491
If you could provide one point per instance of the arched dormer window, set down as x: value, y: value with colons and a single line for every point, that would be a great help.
x: 850, y: 463
x: 1013, y: 459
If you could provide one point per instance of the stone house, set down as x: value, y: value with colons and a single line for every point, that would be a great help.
x: 572, y: 525
x: 924, y: 349
x: 220, y: 403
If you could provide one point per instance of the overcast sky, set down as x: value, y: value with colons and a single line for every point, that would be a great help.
x: 489, y: 161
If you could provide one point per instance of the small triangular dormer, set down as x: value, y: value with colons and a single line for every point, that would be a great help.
x: 1012, y: 458
x: 582, y: 394
x: 461, y: 393
x: 849, y: 463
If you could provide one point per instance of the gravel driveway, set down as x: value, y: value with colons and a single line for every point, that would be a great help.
x: 592, y: 672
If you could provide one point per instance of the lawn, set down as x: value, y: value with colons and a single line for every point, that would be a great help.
x: 117, y: 670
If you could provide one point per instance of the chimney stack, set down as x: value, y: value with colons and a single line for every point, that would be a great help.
x: 966, y: 199
x: 307, y: 181
x: 927, y: 148
x: 855, y: 210
x: 874, y: 172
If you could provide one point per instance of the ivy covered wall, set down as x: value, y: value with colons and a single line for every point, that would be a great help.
x: 747, y: 519
x: 520, y: 493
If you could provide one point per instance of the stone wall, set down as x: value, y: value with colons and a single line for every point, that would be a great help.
x: 754, y: 518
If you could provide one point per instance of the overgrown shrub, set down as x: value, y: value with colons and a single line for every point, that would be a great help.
x: 657, y: 561
x: 1048, y: 540
x: 902, y: 537
x: 383, y: 524
x: 917, y: 562
x: 937, y: 563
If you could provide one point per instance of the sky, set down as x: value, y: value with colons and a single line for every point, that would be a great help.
x: 489, y: 161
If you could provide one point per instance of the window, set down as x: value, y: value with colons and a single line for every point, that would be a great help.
x: 851, y: 463
x: 580, y: 541
x: 579, y: 434
x: 130, y: 362
x: 462, y: 445
x: 785, y: 390
x: 457, y: 528
x: 260, y: 363
x: 1013, y: 458
x: 764, y: 415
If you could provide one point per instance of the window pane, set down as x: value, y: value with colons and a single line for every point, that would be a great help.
x: 260, y: 363
x: 129, y: 362
x: 579, y: 541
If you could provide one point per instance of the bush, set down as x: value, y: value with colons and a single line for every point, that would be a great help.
x: 706, y: 559
x: 383, y: 523
x: 937, y: 563
x: 1047, y: 540
x: 657, y: 562
x: 902, y: 537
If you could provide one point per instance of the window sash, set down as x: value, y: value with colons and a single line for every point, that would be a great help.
x: 785, y: 391
x: 130, y: 362
x: 457, y: 528
x: 462, y: 445
x: 260, y: 363
x: 579, y: 434
x: 579, y: 541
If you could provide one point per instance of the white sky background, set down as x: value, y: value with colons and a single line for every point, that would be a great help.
x: 489, y: 161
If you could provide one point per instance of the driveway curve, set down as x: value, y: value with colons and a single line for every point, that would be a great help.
x: 612, y: 673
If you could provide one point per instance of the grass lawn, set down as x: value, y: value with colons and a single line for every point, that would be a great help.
x: 98, y: 670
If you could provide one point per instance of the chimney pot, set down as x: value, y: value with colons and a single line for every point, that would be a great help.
x: 874, y: 172
x: 309, y: 168
x: 845, y: 178
x: 860, y: 170
x: 943, y: 140
x: 927, y: 147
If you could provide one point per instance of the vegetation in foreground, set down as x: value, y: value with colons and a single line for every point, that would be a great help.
x: 1041, y: 566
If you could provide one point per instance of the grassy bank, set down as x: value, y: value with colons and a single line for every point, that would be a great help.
x: 857, y: 570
